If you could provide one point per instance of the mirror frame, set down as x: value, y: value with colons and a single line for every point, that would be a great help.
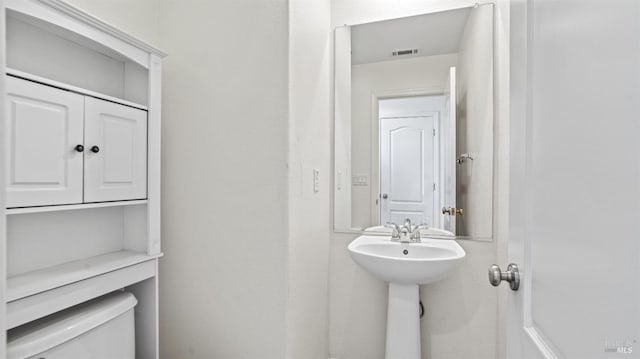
x: 413, y: 92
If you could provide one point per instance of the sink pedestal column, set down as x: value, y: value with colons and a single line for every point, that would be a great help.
x: 403, y: 322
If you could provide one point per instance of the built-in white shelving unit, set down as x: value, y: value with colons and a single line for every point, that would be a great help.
x: 83, y: 165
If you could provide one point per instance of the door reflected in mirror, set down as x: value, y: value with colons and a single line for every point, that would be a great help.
x: 414, y: 123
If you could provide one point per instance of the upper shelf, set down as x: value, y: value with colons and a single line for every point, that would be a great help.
x: 64, y: 86
x: 48, y: 44
x: 71, y: 207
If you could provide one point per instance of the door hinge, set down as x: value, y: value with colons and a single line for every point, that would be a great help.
x: 434, y: 132
x: 434, y: 187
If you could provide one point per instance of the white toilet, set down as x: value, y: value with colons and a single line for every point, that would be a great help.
x: 102, y: 328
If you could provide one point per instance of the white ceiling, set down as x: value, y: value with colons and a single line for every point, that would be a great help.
x: 432, y: 34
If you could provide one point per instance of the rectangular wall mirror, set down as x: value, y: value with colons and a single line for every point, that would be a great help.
x: 414, y: 123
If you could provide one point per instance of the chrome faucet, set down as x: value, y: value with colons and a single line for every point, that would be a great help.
x: 407, y: 233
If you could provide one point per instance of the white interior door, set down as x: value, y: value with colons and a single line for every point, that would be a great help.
x: 407, y: 169
x: 449, y: 152
x: 116, y: 152
x: 3, y: 217
x: 43, y: 126
x: 575, y: 179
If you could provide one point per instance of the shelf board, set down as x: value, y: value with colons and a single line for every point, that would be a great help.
x: 31, y: 283
x: 79, y: 90
x: 71, y: 207
x: 39, y: 305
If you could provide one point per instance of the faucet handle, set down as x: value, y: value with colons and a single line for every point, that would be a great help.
x: 415, y: 234
x: 395, y: 234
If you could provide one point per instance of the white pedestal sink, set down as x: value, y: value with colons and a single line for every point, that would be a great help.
x: 405, y: 266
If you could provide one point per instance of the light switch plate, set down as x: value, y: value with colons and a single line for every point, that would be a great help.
x: 316, y: 180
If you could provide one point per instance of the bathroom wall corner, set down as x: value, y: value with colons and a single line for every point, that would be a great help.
x: 309, y: 179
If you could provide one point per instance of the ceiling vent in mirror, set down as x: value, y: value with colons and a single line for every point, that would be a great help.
x: 405, y: 52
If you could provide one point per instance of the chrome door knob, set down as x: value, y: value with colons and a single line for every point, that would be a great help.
x: 512, y: 275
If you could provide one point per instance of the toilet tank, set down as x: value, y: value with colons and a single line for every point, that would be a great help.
x: 102, y: 328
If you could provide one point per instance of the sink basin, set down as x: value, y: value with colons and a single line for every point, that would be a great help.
x: 406, y: 263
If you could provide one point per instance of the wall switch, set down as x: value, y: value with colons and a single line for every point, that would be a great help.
x: 316, y: 180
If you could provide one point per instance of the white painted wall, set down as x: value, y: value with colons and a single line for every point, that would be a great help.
x: 475, y: 131
x: 342, y: 127
x: 463, y: 314
x: 240, y: 278
x: 310, y: 110
x: 429, y: 72
x: 223, y: 287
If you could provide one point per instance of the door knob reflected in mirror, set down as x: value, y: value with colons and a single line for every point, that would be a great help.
x: 512, y: 275
x: 452, y: 211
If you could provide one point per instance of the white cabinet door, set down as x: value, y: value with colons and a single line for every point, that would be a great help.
x: 44, y: 125
x: 115, y: 165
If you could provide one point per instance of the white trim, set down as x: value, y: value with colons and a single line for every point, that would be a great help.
x: 101, y: 25
x: 81, y: 28
x: 154, y: 133
x: 540, y: 341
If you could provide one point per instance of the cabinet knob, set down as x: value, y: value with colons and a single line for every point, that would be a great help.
x: 95, y: 149
x: 79, y: 148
